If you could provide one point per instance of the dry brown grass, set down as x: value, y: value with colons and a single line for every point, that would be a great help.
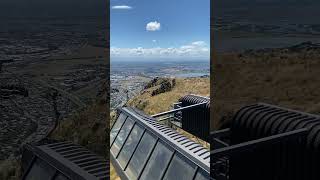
x: 163, y: 102
x: 87, y: 128
x: 10, y: 170
x: 292, y: 82
x: 113, y: 173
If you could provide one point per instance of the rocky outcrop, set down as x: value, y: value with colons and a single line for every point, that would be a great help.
x: 154, y: 82
x: 161, y: 85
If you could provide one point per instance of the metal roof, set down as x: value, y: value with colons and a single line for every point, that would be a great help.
x: 268, y: 142
x: 142, y: 148
x: 64, y: 160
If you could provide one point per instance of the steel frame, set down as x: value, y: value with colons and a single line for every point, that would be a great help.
x: 249, y: 145
x: 220, y: 155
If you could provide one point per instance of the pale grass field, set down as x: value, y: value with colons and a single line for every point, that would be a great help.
x: 292, y: 82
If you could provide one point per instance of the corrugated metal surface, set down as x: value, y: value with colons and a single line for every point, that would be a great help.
x: 73, y: 161
x: 292, y: 159
x: 195, y: 149
x: 83, y: 158
x: 196, y: 120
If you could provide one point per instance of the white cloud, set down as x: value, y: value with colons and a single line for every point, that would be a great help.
x: 198, y: 49
x: 121, y: 7
x: 199, y: 43
x: 154, y: 41
x: 153, y: 26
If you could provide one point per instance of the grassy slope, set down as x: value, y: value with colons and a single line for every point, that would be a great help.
x: 88, y: 127
x: 291, y: 82
x: 10, y: 170
x: 163, y: 102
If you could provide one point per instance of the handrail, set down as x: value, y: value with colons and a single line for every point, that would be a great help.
x: 179, y: 109
x: 220, y: 133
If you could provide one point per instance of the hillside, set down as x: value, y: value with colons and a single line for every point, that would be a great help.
x: 88, y: 127
x: 152, y: 104
x: 287, y: 77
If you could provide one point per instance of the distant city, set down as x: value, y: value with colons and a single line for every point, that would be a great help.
x: 46, y: 63
x: 129, y: 77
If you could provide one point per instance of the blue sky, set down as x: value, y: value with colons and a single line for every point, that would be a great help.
x: 160, y: 28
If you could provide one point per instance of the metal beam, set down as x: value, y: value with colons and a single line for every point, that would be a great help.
x: 217, y: 143
x: 166, y: 118
x: 257, y: 143
x: 220, y: 133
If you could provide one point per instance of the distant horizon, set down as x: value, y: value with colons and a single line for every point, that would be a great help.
x: 160, y: 29
x: 151, y: 60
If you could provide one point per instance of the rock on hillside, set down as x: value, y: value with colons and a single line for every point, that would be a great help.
x: 160, y: 85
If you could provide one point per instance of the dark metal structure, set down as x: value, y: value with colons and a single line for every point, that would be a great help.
x: 196, y: 120
x: 192, y: 114
x: 62, y: 161
x: 267, y: 142
x: 144, y: 148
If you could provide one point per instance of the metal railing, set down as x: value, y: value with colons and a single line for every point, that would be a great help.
x: 267, y: 142
x: 173, y: 118
x: 222, y: 151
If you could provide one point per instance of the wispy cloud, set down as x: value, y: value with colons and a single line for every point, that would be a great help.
x: 121, y: 7
x: 197, y: 49
x: 153, y: 26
